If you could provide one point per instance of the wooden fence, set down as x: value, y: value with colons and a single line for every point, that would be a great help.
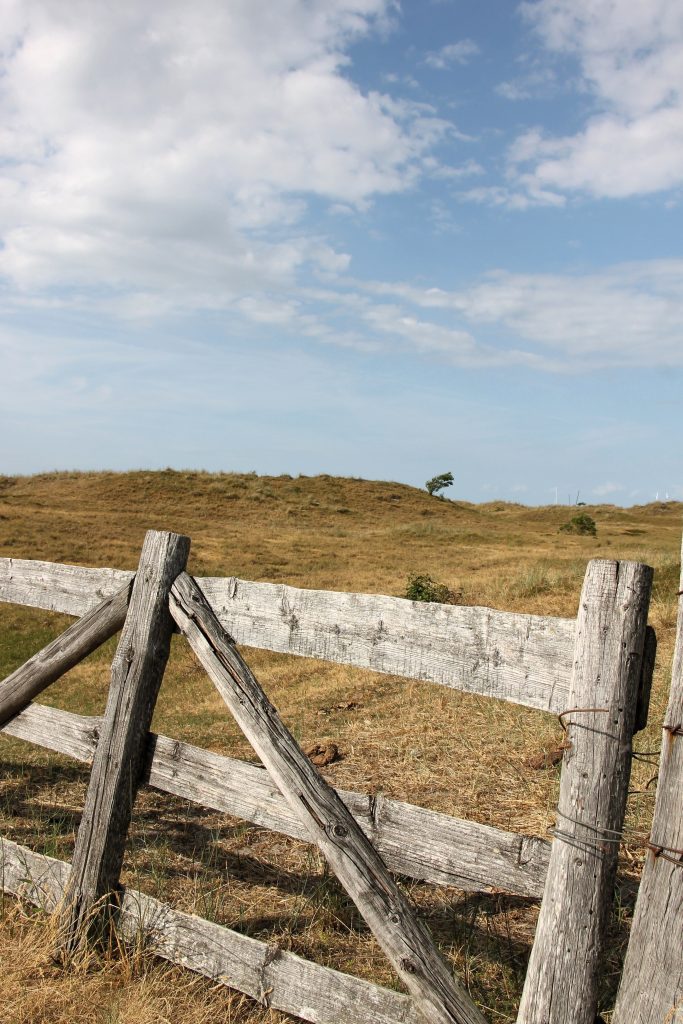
x: 595, y: 672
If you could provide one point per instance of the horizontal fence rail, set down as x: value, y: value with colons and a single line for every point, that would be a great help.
x: 412, y: 841
x: 524, y: 659
x: 274, y: 977
x: 72, y: 589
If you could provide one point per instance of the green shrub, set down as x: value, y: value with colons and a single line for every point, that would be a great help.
x: 580, y: 523
x: 424, y: 588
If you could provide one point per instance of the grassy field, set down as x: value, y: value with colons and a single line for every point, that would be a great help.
x: 456, y: 753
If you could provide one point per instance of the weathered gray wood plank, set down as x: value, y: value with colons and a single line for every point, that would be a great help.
x: 525, y: 659
x: 136, y: 675
x: 652, y: 979
x: 561, y: 985
x: 270, y: 975
x: 76, y: 643
x: 389, y: 914
x: 61, y: 731
x: 71, y: 589
x: 411, y: 840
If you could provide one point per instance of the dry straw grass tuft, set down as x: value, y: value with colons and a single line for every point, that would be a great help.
x: 122, y: 986
x: 453, y: 752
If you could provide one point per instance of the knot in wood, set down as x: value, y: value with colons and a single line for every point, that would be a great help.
x: 340, y: 831
x: 408, y: 966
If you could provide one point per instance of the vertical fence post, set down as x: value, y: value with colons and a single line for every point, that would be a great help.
x: 651, y: 989
x: 562, y: 978
x: 137, y: 670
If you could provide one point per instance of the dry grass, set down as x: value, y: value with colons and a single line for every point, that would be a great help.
x: 121, y: 987
x: 453, y: 752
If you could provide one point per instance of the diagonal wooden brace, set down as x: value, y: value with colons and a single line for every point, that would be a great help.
x: 406, y: 941
x: 73, y: 645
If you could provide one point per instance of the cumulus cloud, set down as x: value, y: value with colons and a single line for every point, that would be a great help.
x: 167, y: 147
x: 630, y: 58
x: 169, y: 161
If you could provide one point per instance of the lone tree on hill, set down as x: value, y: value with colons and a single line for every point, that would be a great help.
x: 439, y: 483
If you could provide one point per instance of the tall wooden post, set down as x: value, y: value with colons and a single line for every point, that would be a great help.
x: 651, y: 989
x: 561, y: 985
x: 136, y: 675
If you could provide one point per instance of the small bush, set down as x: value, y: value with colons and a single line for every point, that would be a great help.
x: 580, y: 523
x: 424, y: 588
x: 439, y: 483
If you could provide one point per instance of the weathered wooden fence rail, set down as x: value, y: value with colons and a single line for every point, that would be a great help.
x: 596, y: 671
x: 525, y: 659
x: 412, y: 841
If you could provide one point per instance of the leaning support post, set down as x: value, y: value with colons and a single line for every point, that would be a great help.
x: 561, y: 985
x: 136, y: 675
x: 651, y: 987
x: 77, y: 642
x: 438, y: 996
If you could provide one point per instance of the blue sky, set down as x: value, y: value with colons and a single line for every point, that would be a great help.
x: 346, y: 236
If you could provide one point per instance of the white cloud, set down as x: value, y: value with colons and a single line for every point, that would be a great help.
x: 539, y: 83
x: 442, y: 218
x: 423, y: 335
x: 453, y: 53
x: 629, y: 315
x: 630, y: 57
x: 514, y: 89
x: 166, y: 148
x: 512, y: 198
x: 446, y: 172
x: 161, y: 158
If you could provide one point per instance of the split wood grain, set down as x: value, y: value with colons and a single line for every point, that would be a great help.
x: 76, y: 643
x: 651, y: 989
x: 561, y: 985
x: 404, y: 938
x: 273, y: 977
x: 525, y: 659
x: 136, y: 675
x: 412, y: 841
